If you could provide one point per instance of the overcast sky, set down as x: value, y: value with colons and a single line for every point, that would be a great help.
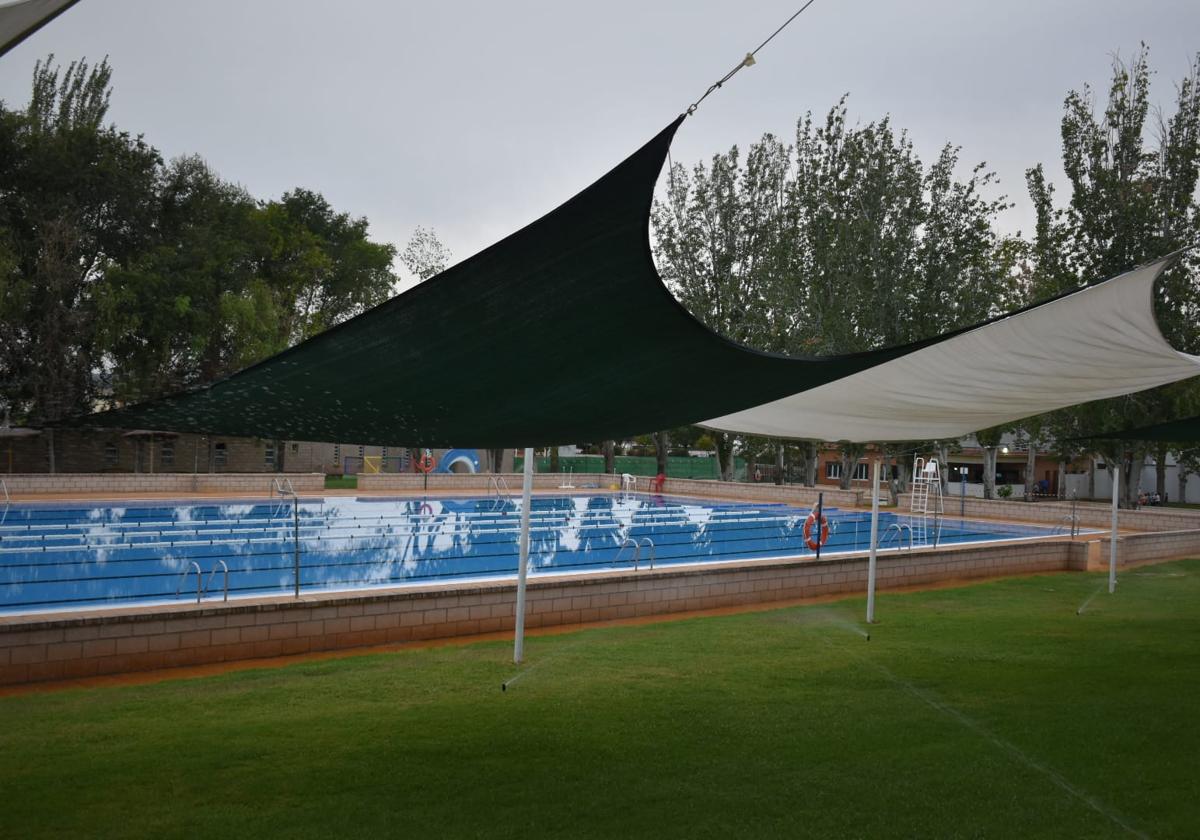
x: 474, y: 118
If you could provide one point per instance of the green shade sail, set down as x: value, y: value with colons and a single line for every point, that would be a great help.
x: 564, y: 332
x: 561, y: 332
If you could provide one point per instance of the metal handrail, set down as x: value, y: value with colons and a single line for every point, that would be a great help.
x: 567, y: 485
x: 900, y: 528
x: 495, y: 482
x: 4, y: 487
x: 211, y: 574
x: 183, y: 579
x: 649, y: 542
x: 283, y: 488
x: 1062, y: 524
x: 637, y: 552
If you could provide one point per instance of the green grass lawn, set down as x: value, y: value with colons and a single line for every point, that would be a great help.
x: 341, y: 482
x: 987, y: 711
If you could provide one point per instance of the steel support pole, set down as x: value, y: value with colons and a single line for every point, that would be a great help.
x: 296, y: 539
x: 1112, y: 548
x: 874, y: 542
x: 522, y: 569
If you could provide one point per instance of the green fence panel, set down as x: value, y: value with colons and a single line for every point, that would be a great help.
x: 677, y: 466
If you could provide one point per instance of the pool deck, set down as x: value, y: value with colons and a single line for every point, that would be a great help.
x: 86, y: 644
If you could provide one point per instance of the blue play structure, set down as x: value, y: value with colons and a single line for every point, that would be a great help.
x: 466, y: 459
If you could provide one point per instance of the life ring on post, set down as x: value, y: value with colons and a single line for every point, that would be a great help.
x: 425, y: 463
x: 808, y: 528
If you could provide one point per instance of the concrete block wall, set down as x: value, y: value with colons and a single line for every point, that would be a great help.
x: 1091, y: 514
x: 25, y: 485
x: 53, y: 646
x: 481, y: 482
x: 787, y: 493
x: 735, y: 491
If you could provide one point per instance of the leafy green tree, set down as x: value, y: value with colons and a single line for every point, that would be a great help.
x: 123, y: 278
x: 843, y: 241
x: 76, y: 199
x: 425, y: 255
x: 1131, y: 201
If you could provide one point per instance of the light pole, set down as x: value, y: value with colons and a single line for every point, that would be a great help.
x: 962, y: 493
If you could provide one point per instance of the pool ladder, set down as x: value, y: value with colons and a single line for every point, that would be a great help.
x: 202, y: 587
x: 281, y: 488
x: 637, y: 551
x: 900, y: 529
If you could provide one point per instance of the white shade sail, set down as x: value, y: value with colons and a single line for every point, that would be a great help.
x: 21, y: 19
x: 1102, y: 341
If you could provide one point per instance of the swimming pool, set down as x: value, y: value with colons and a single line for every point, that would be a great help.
x: 73, y: 556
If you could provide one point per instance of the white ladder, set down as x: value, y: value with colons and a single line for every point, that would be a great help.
x: 926, y: 496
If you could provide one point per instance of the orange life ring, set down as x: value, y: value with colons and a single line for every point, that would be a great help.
x: 808, y: 527
x: 425, y: 463
x: 426, y: 509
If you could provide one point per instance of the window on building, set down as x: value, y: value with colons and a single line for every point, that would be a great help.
x: 269, y: 456
x: 167, y: 453
x: 220, y: 454
x: 111, y: 456
x: 861, y: 471
x: 295, y: 448
x: 337, y: 454
x: 362, y: 451
x: 833, y: 469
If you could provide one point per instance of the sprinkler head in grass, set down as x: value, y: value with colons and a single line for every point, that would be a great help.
x: 504, y: 686
x: 868, y: 637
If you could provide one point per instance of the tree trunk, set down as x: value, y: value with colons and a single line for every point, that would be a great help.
x: 1030, y: 470
x: 903, y: 475
x: 660, y: 451
x: 610, y: 457
x: 554, y: 459
x: 497, y: 459
x: 1091, y: 493
x: 812, y: 463
x: 1131, y: 464
x: 891, y: 475
x: 944, y: 467
x: 1061, y: 489
x: 989, y: 471
x: 847, y: 468
x: 1182, y: 475
x: 1160, y: 470
x: 779, y: 464
x: 724, y: 456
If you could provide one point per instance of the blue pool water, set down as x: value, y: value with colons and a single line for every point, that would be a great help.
x: 78, y: 556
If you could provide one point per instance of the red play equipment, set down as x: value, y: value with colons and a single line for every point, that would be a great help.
x: 656, y: 483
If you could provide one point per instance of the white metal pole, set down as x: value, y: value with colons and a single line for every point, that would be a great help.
x: 874, y: 543
x: 526, y: 494
x: 1112, y: 549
